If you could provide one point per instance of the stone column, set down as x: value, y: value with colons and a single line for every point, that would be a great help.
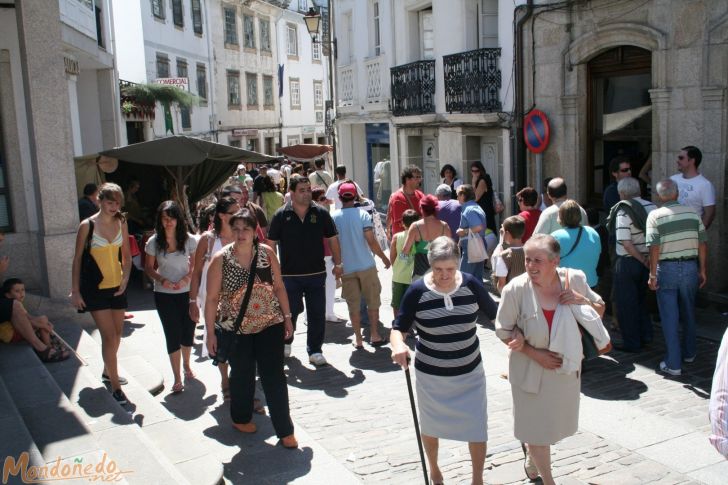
x: 50, y: 140
x: 660, y: 136
x: 572, y: 165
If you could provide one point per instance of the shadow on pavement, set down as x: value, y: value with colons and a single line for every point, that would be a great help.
x: 378, y: 361
x: 326, y: 378
x: 191, y: 403
x: 607, y: 379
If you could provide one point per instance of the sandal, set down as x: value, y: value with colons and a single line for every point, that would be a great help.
x: 528, y: 467
x: 357, y: 346
x: 177, y: 388
x: 379, y: 343
x: 258, y: 407
x: 50, y: 354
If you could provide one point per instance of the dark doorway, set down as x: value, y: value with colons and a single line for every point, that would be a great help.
x: 134, y: 132
x: 620, y: 114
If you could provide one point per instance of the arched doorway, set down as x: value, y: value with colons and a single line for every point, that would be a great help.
x: 620, y: 114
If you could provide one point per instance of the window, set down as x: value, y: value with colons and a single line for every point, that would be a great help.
x: 377, y: 39
x: 235, y: 143
x: 318, y: 94
x: 253, y: 144
x: 233, y: 87
x: 162, y: 65
x: 196, y: 17
x: 303, y: 5
x: 184, y: 112
x: 292, y: 140
x: 6, y: 224
x: 99, y: 27
x: 295, y: 87
x: 268, y: 92
x: 177, y: 14
x: 264, y: 34
x: 292, y: 41
x: 248, y: 32
x: 201, y: 81
x: 181, y: 67
x: 231, y: 27
x: 251, y: 87
x: 158, y: 8
x: 316, y: 51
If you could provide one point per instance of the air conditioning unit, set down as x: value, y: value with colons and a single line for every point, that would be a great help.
x: 319, y: 116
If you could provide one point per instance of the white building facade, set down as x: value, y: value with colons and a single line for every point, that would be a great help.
x: 420, y: 82
x: 245, y: 73
x: 58, y: 99
x: 162, y: 39
x: 305, y: 87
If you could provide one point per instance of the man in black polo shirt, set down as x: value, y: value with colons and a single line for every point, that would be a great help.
x: 259, y: 184
x: 300, y: 228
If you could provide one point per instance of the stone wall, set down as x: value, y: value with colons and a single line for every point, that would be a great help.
x: 689, y: 44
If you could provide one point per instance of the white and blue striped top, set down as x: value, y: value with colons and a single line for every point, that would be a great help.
x: 447, y: 344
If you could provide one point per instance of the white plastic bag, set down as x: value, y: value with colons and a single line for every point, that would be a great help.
x: 476, y: 248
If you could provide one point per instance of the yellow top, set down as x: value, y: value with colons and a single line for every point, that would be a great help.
x: 106, y: 255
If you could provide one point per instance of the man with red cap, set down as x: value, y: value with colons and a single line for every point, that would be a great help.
x: 359, y: 279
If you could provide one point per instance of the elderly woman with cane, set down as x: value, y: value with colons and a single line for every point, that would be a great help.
x: 450, y: 380
x: 539, y: 318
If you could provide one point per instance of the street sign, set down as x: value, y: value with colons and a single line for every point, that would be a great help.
x: 536, y: 131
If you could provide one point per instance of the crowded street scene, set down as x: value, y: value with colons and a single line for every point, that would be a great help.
x: 443, y: 241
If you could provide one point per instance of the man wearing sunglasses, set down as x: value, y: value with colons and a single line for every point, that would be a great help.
x: 620, y: 168
x: 696, y: 191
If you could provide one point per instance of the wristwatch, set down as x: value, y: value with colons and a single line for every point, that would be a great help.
x: 340, y: 265
x: 287, y: 315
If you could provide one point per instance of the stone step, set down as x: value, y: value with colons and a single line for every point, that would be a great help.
x: 12, y: 425
x: 66, y: 434
x: 169, y: 434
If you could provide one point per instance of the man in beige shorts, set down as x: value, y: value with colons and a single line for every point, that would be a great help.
x: 359, y: 279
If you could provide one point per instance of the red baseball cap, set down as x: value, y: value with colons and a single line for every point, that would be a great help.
x: 347, y: 190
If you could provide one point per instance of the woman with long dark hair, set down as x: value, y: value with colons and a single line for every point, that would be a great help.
x: 211, y: 242
x: 109, y: 247
x: 484, y: 194
x: 450, y: 177
x: 173, y: 249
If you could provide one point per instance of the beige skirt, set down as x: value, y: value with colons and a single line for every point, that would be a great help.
x: 550, y: 415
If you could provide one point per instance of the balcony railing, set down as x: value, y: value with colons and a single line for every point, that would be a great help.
x: 472, y: 81
x: 373, y: 69
x: 346, y: 81
x: 413, y: 88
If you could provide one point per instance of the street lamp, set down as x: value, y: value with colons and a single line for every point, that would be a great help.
x: 313, y: 24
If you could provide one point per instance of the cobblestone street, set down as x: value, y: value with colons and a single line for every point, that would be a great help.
x: 636, y: 426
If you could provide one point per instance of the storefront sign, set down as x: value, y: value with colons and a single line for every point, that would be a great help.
x: 180, y: 82
x: 245, y: 132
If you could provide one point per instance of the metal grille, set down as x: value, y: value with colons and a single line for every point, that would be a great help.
x: 413, y: 88
x: 472, y: 81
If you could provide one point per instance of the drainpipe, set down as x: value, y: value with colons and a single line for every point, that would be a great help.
x: 212, y: 76
x: 518, y: 160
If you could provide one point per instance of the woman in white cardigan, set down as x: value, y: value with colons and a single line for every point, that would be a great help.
x: 537, y: 319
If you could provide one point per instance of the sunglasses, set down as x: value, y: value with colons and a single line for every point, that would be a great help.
x: 625, y: 170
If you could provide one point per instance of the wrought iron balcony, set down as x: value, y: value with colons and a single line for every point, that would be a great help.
x: 472, y: 81
x: 413, y: 88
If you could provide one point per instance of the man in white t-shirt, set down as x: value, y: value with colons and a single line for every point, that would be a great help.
x: 332, y: 193
x: 694, y: 190
x: 320, y: 178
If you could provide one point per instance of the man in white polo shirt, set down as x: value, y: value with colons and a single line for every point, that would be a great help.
x: 695, y: 190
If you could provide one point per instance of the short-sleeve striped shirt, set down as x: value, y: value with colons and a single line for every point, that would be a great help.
x: 626, y: 230
x: 677, y: 229
x: 447, y: 344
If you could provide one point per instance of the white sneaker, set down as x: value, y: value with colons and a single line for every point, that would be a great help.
x: 287, y: 350
x: 335, y: 319
x: 666, y: 370
x: 317, y: 359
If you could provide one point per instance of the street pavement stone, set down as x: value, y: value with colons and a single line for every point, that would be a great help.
x: 357, y: 409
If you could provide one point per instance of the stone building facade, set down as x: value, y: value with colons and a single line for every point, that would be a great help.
x: 58, y: 98
x: 636, y: 78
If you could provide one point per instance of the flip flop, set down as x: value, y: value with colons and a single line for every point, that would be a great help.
x: 379, y: 343
x: 357, y: 347
x: 177, y: 388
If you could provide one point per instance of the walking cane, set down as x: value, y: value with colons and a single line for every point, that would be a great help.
x: 80, y: 359
x: 417, y: 424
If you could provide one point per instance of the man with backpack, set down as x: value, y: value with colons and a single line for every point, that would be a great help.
x: 626, y: 223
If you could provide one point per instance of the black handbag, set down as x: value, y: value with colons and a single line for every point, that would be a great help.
x: 91, y: 276
x: 226, y: 339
